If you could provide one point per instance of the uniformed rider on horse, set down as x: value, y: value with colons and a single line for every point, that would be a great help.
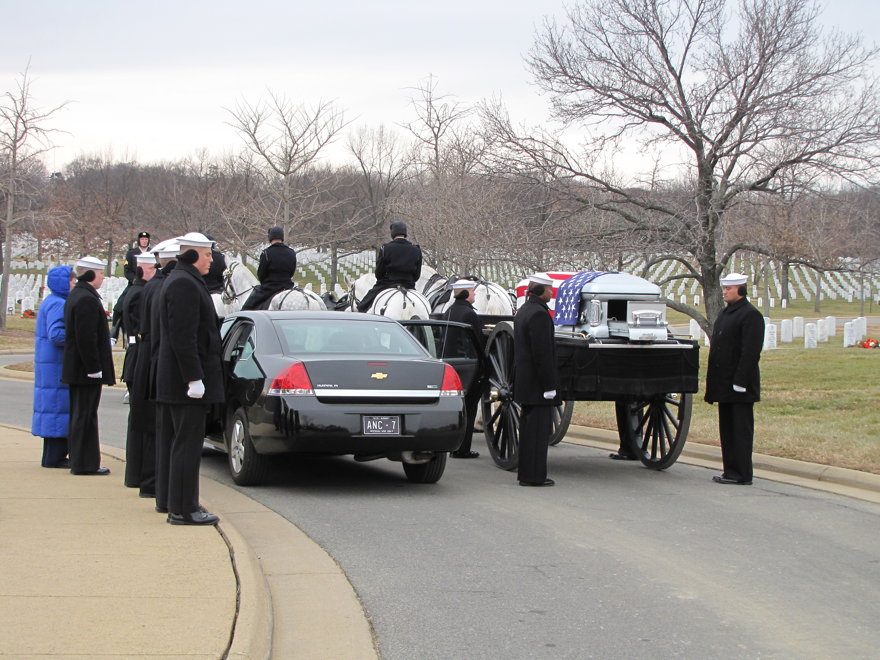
x: 275, y: 272
x: 398, y: 263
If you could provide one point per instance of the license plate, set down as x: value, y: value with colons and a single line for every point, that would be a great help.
x: 381, y: 424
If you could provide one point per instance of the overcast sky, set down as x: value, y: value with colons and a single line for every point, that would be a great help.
x: 150, y: 80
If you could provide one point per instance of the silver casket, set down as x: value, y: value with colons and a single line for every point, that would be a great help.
x: 622, y: 306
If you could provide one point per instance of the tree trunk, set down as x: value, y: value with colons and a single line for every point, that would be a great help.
x: 783, y: 279
x: 766, y: 287
x: 7, y: 244
x: 334, y: 266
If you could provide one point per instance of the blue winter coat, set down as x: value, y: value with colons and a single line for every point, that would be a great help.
x: 51, y: 396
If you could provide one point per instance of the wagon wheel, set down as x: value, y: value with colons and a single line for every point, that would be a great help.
x: 655, y: 428
x: 561, y: 419
x: 499, y: 411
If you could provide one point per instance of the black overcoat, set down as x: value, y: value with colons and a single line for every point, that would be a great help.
x: 142, y: 386
x: 534, y: 351
x: 131, y: 322
x: 129, y: 268
x: 734, y: 352
x: 87, y: 339
x: 461, y: 311
x: 189, y: 339
x: 399, y: 262
x: 277, y: 266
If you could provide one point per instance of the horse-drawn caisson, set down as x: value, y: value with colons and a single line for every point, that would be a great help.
x: 613, y: 344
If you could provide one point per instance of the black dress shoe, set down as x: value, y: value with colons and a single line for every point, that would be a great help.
x: 194, y: 518
x: 465, y: 454
x: 546, y: 482
x: 617, y: 456
x: 146, y: 494
x: 101, y: 471
x: 161, y: 509
x: 726, y: 480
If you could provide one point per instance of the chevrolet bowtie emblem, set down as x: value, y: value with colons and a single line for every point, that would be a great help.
x: 379, y: 375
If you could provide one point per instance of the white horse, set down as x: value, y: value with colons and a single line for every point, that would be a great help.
x: 366, y: 281
x: 239, y: 282
x: 490, y: 299
x: 401, y: 304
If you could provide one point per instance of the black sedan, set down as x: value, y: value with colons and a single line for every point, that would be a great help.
x: 338, y: 383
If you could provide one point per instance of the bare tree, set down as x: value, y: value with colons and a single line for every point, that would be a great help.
x: 734, y: 104
x: 287, y: 139
x: 385, y: 164
x: 23, y: 137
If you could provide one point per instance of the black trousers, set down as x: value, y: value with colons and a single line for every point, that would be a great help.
x: 471, y: 404
x: 54, y: 451
x: 180, y: 439
x: 736, y: 429
x: 82, y: 436
x: 535, y: 427
x: 262, y: 295
x: 140, y: 446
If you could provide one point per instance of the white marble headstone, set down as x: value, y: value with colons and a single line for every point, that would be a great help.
x: 810, y: 338
x: 798, y: 326
x: 821, y: 331
x: 831, y: 326
x: 695, y: 331
x: 770, y: 337
x: 849, y: 334
x: 785, y: 331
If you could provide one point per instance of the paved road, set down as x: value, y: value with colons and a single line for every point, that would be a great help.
x: 616, y: 561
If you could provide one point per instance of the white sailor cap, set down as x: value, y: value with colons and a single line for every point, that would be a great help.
x: 734, y: 279
x: 145, y: 258
x: 92, y: 263
x: 194, y: 240
x: 463, y: 284
x: 167, y: 248
x: 541, y: 278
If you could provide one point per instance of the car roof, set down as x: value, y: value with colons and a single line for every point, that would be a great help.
x: 311, y: 314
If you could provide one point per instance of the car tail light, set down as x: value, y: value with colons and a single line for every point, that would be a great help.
x: 292, y: 381
x: 451, y: 383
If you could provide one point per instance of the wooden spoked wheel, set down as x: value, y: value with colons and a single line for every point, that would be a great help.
x: 500, y: 412
x: 656, y: 428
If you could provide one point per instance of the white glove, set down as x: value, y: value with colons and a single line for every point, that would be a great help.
x: 737, y: 388
x: 112, y: 341
x: 97, y: 374
x: 196, y: 389
x: 550, y: 395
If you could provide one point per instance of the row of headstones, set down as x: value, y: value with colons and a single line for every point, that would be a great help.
x: 812, y: 333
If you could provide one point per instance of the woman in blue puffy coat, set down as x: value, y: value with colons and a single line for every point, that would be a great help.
x: 51, y: 397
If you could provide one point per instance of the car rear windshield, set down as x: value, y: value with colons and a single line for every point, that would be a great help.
x: 317, y: 336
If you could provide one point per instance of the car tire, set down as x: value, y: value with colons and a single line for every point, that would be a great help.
x: 426, y: 473
x: 247, y: 467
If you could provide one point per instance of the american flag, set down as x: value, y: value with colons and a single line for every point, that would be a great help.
x: 557, y: 276
x: 568, y: 298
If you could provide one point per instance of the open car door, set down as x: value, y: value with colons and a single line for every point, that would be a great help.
x: 454, y: 343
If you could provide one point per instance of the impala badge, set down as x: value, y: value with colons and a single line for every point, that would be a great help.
x: 379, y: 375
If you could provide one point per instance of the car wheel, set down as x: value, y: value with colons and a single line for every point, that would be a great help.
x: 247, y: 467
x: 426, y: 473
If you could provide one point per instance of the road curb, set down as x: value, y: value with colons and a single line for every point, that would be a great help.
x: 251, y: 636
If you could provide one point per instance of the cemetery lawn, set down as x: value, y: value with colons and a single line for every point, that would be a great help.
x: 820, y: 405
x: 19, y: 334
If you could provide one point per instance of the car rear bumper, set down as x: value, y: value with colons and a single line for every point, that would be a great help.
x: 305, y: 425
